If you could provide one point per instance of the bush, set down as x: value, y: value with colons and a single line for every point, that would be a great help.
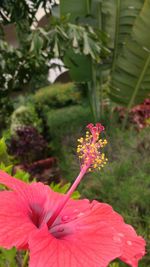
x: 27, y: 145
x: 6, y: 108
x: 58, y: 95
x: 25, y: 116
x: 64, y: 126
x: 66, y: 120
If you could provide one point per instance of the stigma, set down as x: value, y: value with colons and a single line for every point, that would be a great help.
x: 89, y: 148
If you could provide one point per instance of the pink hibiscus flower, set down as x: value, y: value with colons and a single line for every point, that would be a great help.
x: 61, y: 232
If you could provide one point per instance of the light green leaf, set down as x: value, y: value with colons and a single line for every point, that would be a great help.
x: 22, y: 175
x: 7, y: 169
x: 4, y: 158
x: 8, y: 257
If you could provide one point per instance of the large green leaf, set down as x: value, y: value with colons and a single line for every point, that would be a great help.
x: 75, y: 8
x: 108, y: 20
x: 118, y: 19
x: 79, y: 65
x: 131, y: 78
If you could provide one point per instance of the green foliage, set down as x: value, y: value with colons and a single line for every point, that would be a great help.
x: 22, y: 175
x: 20, y: 67
x: 6, y: 109
x: 83, y: 68
x: 119, y: 18
x: 114, y: 264
x: 130, y: 80
x: 82, y: 39
x: 4, y: 157
x: 25, y: 116
x: 80, y: 67
x: 73, y: 8
x: 58, y: 95
x: 64, y: 126
x: 67, y: 119
x: 127, y: 24
x: 8, y: 258
x: 12, y: 11
x: 7, y: 166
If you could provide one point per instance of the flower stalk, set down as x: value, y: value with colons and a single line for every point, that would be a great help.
x: 68, y: 195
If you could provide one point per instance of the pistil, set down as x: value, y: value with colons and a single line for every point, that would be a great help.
x: 90, y: 157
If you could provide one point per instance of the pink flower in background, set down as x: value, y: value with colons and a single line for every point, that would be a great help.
x: 61, y: 232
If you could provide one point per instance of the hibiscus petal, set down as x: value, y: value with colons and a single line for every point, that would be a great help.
x: 41, y: 200
x: 88, y: 215
x: 94, y: 248
x: 15, y: 224
x: 11, y: 182
x: 133, y: 245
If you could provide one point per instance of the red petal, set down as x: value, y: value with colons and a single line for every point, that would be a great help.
x: 133, y: 245
x: 15, y: 224
x: 10, y: 181
x: 89, y: 247
x: 39, y: 197
x: 88, y: 239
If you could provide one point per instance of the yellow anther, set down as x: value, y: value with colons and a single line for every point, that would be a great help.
x: 80, y: 140
x: 89, y: 153
x: 103, y: 155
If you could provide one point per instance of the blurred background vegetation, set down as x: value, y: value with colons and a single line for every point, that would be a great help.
x: 104, y: 48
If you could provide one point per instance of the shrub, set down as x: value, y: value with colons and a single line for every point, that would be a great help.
x: 64, y: 126
x: 6, y: 108
x: 58, y: 95
x: 25, y: 116
x: 27, y: 145
x: 65, y: 120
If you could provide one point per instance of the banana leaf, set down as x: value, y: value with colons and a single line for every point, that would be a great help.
x: 118, y: 19
x: 75, y: 9
x: 80, y: 67
x: 130, y: 82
